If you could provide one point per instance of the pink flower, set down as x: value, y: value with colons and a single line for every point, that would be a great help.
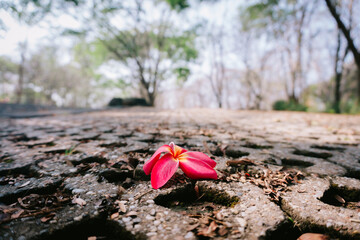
x: 195, y: 165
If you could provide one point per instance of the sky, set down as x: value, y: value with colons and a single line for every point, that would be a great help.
x: 223, y: 13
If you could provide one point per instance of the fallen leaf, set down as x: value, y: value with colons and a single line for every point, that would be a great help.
x: 114, y: 215
x: 237, y: 163
x: 47, y: 218
x: 17, y: 214
x: 219, y: 216
x: 25, y: 184
x: 222, y: 231
x: 122, y: 207
x: 339, y: 199
x: 192, y: 227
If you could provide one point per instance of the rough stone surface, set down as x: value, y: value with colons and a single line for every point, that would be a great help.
x: 95, y: 161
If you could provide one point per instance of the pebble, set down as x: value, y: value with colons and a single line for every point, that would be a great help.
x: 157, y: 222
x: 251, y: 209
x: 150, y: 218
x: 90, y: 193
x: 150, y: 201
x: 73, y: 170
x: 78, y: 218
x: 150, y: 234
x: 152, y: 212
x: 126, y: 219
x: 137, y: 227
x: 77, y: 191
x: 136, y: 220
x: 242, y: 222
x: 189, y: 235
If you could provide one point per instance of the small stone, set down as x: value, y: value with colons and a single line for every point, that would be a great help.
x: 152, y: 212
x: 78, y: 218
x: 52, y: 221
x: 251, y: 209
x: 242, y: 222
x: 150, y: 201
x: 234, y: 211
x: 136, y: 220
x: 131, y: 214
x: 21, y: 238
x: 77, y: 191
x: 90, y: 193
x: 150, y: 218
x: 157, y: 222
x: 126, y: 220
x: 150, y: 234
x: 73, y: 170
x: 189, y: 235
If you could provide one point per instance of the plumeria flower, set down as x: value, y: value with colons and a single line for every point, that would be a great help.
x: 195, y: 165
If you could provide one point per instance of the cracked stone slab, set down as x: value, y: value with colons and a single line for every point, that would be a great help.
x: 88, y: 189
x: 247, y: 219
x: 303, y: 204
x: 10, y: 193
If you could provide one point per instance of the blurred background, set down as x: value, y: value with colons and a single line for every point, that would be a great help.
x: 264, y: 54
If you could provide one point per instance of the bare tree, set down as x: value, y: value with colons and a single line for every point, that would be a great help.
x: 346, y: 30
x: 21, y: 70
x: 217, y: 76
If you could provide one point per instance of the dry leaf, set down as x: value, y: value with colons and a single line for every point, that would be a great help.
x: 122, y: 207
x: 339, y: 199
x: 114, y: 215
x: 47, y: 218
x: 192, y: 227
x: 222, y: 231
x: 237, y: 163
x: 17, y: 214
x: 219, y: 216
x: 25, y: 184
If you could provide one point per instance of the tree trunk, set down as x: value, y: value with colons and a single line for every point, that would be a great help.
x: 337, y: 93
x: 20, y: 87
x: 338, y: 73
x: 350, y: 41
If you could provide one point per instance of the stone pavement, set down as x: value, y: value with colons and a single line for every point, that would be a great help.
x: 281, y: 174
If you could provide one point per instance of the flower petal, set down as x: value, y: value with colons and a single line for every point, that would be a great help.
x: 197, y: 169
x: 148, y: 166
x: 163, y: 170
x: 198, y: 155
x: 176, y: 149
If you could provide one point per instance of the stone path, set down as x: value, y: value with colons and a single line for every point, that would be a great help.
x: 80, y: 176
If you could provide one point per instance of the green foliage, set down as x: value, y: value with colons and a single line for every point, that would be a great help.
x: 181, y: 47
x: 178, y: 4
x: 182, y: 74
x: 282, y: 105
x: 32, y: 11
x: 7, y: 65
x: 265, y: 13
x: 351, y: 107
